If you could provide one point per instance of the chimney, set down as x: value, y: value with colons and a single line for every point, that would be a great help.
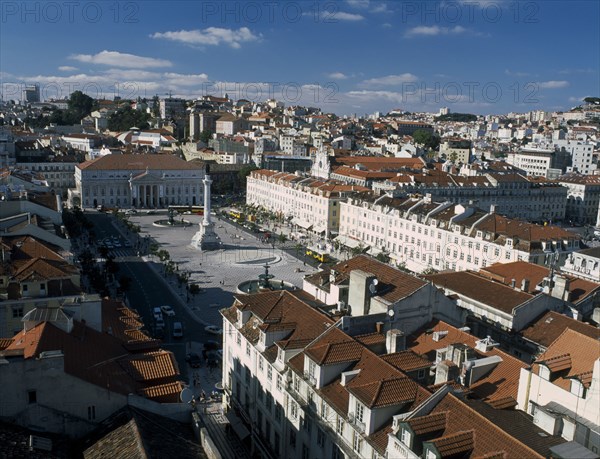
x: 446, y: 371
x: 513, y: 283
x: 561, y: 287
x: 395, y: 341
x: 492, y: 208
x: 525, y: 285
x: 378, y: 327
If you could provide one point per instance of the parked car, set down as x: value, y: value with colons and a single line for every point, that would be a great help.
x: 193, y: 359
x: 130, y: 212
x: 157, y: 313
x: 177, y: 330
x: 150, y: 212
x: 167, y: 310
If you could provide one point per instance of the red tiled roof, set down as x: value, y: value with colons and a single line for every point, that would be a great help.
x: 459, y: 443
x: 138, y: 163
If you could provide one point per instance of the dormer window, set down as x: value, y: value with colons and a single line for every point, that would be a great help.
x: 360, y: 411
x: 406, y: 437
x: 544, y: 372
x: 577, y: 388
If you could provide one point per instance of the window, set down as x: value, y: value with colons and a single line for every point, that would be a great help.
x: 260, y: 363
x: 248, y: 349
x: 320, y: 437
x: 421, y: 374
x: 339, y: 428
x: 357, y: 442
x: 91, y: 413
x: 25, y: 287
x: 269, y: 373
x: 31, y: 396
x: 279, y: 383
x: 360, y: 411
x: 239, y: 339
x: 305, y: 452
x: 17, y: 311
x: 405, y: 437
x: 294, y: 410
x: 292, y: 438
x: 277, y: 442
x: 307, y: 425
x: 269, y: 403
x: 278, y: 412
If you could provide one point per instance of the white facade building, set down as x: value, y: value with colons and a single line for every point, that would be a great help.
x: 424, y: 235
x: 149, y: 181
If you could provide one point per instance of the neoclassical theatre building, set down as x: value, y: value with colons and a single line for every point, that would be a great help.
x: 142, y: 181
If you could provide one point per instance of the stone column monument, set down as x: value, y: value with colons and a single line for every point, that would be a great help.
x: 206, y: 238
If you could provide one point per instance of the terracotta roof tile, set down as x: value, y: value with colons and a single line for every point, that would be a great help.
x: 430, y: 423
x: 407, y: 361
x: 393, y: 283
x: 582, y: 352
x: 481, y: 289
x: 138, y: 163
x: 551, y: 324
x: 501, y: 382
x: 459, y: 443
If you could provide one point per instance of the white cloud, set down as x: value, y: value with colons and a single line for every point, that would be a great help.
x: 517, y: 74
x: 390, y: 80
x: 343, y: 16
x: 571, y: 71
x: 386, y: 25
x: 432, y: 31
x: 381, y: 8
x: 362, y: 4
x: 211, y: 36
x: 554, y: 84
x: 67, y: 68
x: 337, y: 76
x: 117, y: 59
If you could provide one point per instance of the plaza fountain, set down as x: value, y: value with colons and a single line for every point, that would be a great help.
x: 266, y: 282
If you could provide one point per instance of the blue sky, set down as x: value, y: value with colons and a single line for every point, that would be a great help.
x: 354, y: 56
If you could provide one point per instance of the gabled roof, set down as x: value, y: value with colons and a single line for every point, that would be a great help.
x: 393, y: 284
x: 481, y: 289
x: 497, y: 385
x: 277, y: 308
x: 551, y: 324
x: 99, y: 358
x: 572, y: 355
x: 138, y: 163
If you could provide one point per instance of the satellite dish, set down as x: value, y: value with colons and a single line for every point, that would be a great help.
x: 186, y: 395
x: 391, y: 313
x: 375, y: 281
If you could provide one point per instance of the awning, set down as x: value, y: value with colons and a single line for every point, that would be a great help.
x: 237, y: 425
x: 347, y: 241
x: 374, y: 251
x: 301, y: 223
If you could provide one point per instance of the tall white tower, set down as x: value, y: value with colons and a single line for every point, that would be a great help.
x: 206, y: 238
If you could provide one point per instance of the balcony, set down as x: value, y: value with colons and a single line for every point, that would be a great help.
x: 359, y: 425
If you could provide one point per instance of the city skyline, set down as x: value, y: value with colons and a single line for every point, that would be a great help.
x: 355, y: 56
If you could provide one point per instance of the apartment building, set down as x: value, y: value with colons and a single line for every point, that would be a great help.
x: 583, y: 197
x: 561, y: 389
x: 513, y: 195
x: 540, y: 161
x: 304, y: 386
x: 423, y: 235
x: 309, y: 203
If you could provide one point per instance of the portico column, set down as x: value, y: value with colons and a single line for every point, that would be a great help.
x: 143, y: 189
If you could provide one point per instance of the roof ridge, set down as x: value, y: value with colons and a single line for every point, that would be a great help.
x: 490, y: 423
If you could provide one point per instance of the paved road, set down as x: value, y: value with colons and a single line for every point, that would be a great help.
x: 148, y: 290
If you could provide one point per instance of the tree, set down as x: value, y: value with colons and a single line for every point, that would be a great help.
x: 592, y: 100
x: 244, y: 172
x: 80, y: 104
x: 205, y: 136
x: 126, y: 118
